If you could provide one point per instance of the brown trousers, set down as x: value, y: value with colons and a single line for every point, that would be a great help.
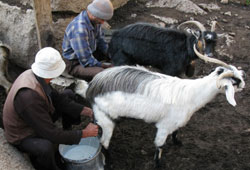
x: 75, y: 69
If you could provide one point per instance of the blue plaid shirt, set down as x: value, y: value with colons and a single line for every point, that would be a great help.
x: 81, y: 39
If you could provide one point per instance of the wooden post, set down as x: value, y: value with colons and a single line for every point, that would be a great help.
x: 44, y: 29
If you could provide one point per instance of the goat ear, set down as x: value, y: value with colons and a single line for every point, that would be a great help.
x: 229, y: 91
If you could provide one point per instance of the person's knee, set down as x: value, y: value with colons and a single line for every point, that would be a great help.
x: 68, y: 93
x: 47, y: 149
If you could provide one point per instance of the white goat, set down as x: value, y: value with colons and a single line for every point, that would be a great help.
x: 4, y: 53
x: 169, y: 102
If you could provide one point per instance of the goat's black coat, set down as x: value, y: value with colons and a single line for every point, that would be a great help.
x: 169, y: 50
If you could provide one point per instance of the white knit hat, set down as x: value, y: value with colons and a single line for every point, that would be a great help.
x: 102, y: 9
x: 48, y: 63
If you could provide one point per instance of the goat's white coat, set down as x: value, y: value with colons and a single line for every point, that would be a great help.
x: 81, y: 87
x: 167, y: 101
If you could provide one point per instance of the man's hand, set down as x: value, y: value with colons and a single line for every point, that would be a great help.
x: 87, y: 112
x: 90, y: 131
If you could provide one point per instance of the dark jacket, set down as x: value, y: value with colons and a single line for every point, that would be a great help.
x: 30, y: 111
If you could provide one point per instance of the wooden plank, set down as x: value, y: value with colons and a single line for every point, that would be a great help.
x: 43, y: 14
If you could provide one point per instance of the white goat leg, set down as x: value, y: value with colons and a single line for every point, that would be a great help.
x: 106, y: 124
x: 160, y: 140
x: 161, y: 137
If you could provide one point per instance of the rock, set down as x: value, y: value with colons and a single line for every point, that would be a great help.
x: 232, y: 34
x: 4, y: 52
x: 65, y: 5
x: 209, y: 7
x: 75, y: 6
x: 224, y: 1
x: 161, y: 24
x: 166, y: 20
x: 229, y: 13
x: 18, y: 30
x: 224, y: 20
x: 11, y: 158
x: 229, y: 38
x: 60, y: 26
x: 133, y: 15
x: 78, y: 5
x: 186, y: 6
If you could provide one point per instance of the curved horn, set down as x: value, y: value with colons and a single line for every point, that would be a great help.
x: 213, y: 26
x: 224, y: 75
x: 208, y: 59
x: 198, y: 24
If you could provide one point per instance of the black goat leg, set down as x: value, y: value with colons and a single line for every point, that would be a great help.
x: 106, y: 161
x: 175, y: 140
x: 157, y: 157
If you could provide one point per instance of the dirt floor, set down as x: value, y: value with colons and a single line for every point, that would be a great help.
x: 218, y: 136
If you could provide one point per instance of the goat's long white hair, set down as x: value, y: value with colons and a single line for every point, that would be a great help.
x: 139, y: 81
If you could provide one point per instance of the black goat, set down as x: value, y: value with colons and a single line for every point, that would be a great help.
x: 169, y: 50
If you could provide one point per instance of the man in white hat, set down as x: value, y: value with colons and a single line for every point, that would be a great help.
x: 83, y: 44
x: 32, y: 106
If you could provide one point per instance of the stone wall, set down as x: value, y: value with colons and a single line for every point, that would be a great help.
x: 19, y: 32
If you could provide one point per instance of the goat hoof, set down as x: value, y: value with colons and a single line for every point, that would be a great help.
x: 107, y: 159
x: 157, y: 164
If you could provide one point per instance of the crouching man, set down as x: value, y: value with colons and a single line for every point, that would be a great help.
x: 32, y: 106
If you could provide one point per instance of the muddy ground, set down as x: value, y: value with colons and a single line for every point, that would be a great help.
x: 218, y: 136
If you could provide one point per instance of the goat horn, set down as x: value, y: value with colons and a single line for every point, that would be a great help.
x: 198, y: 24
x: 213, y: 26
x: 208, y: 59
x: 224, y: 75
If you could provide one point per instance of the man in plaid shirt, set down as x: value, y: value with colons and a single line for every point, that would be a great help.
x: 83, y: 44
